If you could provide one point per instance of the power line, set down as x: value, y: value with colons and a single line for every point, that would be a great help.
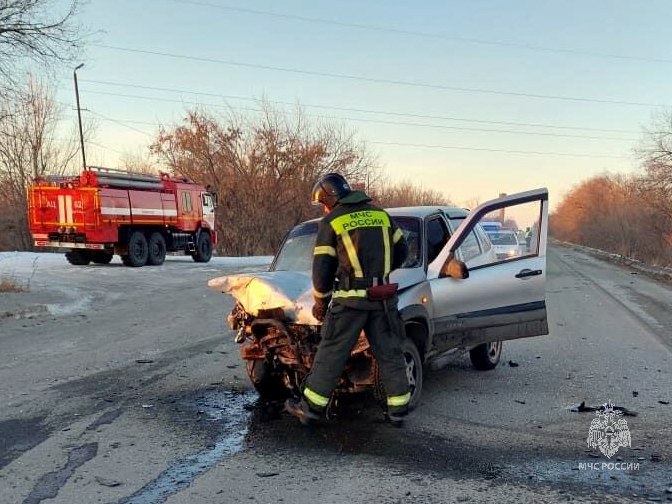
x: 429, y: 146
x: 414, y: 33
x: 121, y: 123
x: 374, y: 80
x: 358, y: 110
x: 507, y: 151
x: 359, y: 119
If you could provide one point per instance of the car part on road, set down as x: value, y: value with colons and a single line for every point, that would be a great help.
x: 584, y: 408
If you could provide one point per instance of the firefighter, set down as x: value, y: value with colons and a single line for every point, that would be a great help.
x: 357, y: 247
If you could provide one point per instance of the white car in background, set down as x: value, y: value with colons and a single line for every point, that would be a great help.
x: 506, y: 243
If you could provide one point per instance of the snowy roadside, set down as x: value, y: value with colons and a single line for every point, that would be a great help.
x: 46, y: 284
x: 663, y: 273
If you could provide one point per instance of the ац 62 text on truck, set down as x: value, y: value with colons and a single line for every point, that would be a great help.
x: 140, y: 217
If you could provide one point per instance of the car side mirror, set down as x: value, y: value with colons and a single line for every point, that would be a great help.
x: 454, y: 268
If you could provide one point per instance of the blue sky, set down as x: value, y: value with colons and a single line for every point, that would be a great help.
x: 528, y: 59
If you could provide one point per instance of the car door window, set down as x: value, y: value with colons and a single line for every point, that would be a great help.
x: 501, y: 298
x: 437, y: 236
x: 411, y: 226
x: 486, y: 244
x: 470, y: 249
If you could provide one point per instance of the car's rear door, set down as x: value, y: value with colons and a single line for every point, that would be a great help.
x: 501, y: 299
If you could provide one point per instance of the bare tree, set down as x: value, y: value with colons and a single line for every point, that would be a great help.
x: 29, y: 148
x: 406, y: 193
x: 39, y: 30
x: 262, y: 168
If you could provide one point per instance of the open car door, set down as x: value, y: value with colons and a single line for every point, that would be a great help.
x: 503, y: 295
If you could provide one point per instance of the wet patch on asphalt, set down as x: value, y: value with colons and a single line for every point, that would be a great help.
x: 224, y: 416
x: 20, y: 435
x: 48, y: 485
x: 105, y: 419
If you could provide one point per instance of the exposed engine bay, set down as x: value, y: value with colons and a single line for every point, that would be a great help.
x: 279, y: 336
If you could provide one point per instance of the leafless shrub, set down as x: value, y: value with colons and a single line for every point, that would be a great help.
x: 406, y: 193
x: 262, y: 168
x: 10, y: 285
x: 29, y: 148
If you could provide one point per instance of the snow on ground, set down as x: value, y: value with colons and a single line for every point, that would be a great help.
x: 46, y: 282
x: 27, y: 261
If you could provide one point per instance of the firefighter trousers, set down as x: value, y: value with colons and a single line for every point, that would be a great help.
x: 340, y: 331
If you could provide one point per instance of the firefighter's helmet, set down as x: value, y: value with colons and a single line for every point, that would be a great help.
x: 329, y: 189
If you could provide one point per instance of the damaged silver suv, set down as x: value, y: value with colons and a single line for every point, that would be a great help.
x: 455, y: 293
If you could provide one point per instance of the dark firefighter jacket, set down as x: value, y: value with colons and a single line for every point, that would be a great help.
x: 357, y: 246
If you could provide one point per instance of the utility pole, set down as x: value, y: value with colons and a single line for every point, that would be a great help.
x: 502, y: 211
x: 79, y: 114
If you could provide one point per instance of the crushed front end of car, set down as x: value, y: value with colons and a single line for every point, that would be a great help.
x: 278, y: 335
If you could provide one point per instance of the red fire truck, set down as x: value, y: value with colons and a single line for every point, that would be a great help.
x: 140, y: 217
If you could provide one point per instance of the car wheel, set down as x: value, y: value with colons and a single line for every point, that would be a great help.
x: 138, y: 250
x: 203, y: 247
x: 268, y: 385
x: 486, y: 356
x: 413, y: 364
x: 157, y: 249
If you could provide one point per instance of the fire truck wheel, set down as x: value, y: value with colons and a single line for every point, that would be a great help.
x: 102, y: 258
x: 157, y: 249
x: 78, y: 257
x: 203, y: 247
x: 138, y: 250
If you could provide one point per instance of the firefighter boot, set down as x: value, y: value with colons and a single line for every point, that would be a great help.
x: 301, y: 410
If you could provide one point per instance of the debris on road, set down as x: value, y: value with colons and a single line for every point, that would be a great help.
x: 107, y: 482
x: 583, y: 408
x: 513, y: 364
x: 664, y: 402
x: 635, y: 393
x: 519, y: 401
x: 144, y: 361
x: 267, y: 474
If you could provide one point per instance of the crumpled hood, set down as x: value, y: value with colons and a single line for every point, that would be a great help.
x: 292, y: 291
x: 289, y: 290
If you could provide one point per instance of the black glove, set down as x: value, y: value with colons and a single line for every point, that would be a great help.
x: 320, y: 309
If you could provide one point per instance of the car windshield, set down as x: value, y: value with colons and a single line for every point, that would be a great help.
x: 296, y: 253
x: 503, y: 238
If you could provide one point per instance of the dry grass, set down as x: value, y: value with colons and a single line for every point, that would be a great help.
x: 8, y: 285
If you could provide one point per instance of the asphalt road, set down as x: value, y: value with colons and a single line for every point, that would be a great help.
x: 128, y: 388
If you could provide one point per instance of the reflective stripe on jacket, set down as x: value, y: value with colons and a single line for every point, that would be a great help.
x: 356, y: 240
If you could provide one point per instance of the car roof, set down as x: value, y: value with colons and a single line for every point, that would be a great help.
x: 501, y: 231
x: 419, y: 212
x: 423, y: 211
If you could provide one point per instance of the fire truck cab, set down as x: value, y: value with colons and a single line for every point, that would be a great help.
x: 139, y: 217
